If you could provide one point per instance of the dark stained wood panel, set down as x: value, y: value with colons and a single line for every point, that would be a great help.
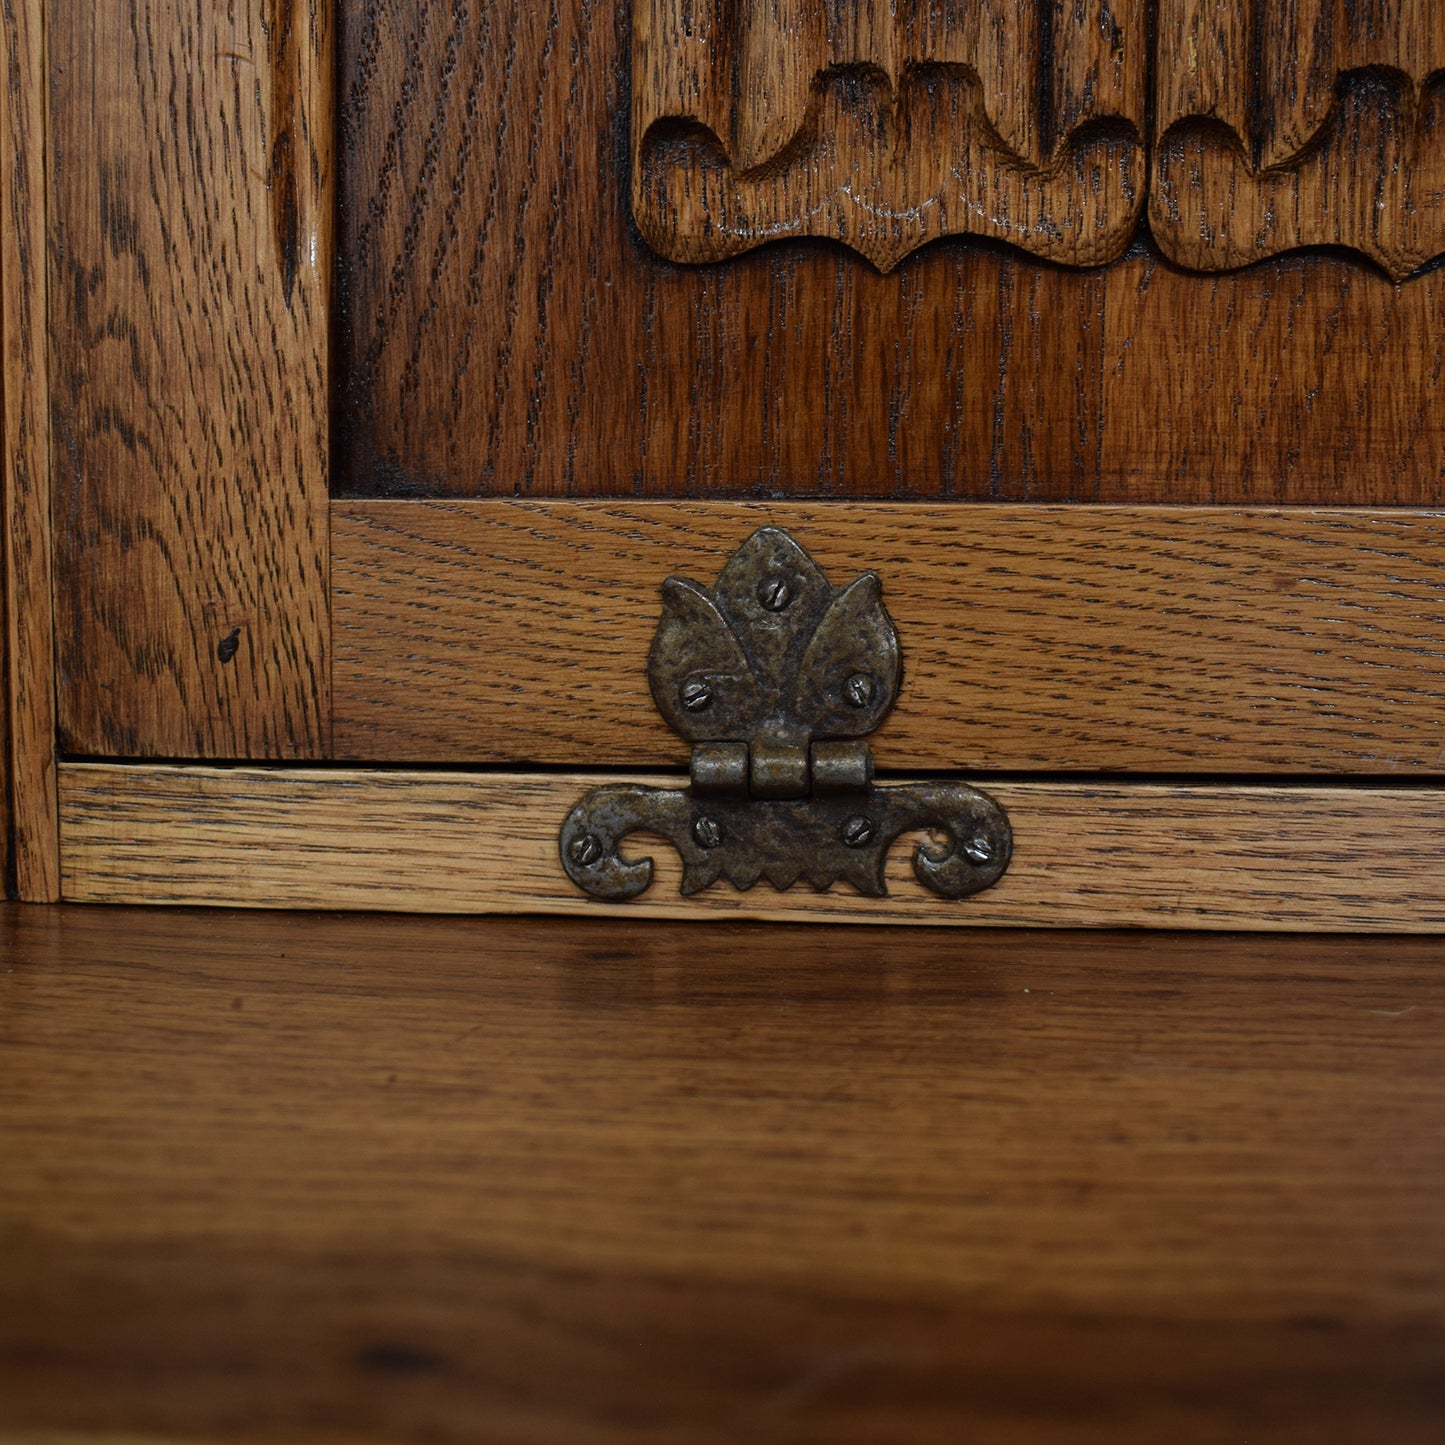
x: 190, y: 258
x: 1305, y: 378
x: 1034, y: 638
x: 508, y: 331
x: 348, y: 1179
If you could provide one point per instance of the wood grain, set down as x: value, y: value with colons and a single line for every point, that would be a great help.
x: 1085, y: 854
x: 191, y: 257
x: 1312, y: 123
x: 29, y: 846
x: 328, y: 1178
x: 1034, y: 638
x: 885, y: 126
x: 1306, y: 378
x: 508, y: 331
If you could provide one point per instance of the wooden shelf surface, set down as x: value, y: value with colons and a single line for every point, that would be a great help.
x: 300, y: 1177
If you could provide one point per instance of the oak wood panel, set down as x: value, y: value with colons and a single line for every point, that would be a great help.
x: 885, y: 126
x: 29, y: 847
x: 492, y: 175
x: 507, y: 330
x: 964, y: 374
x: 1033, y: 638
x: 335, y: 1178
x: 1085, y: 854
x: 1319, y: 122
x: 191, y: 258
x: 1305, y: 377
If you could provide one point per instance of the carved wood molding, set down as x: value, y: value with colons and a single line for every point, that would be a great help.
x: 885, y: 124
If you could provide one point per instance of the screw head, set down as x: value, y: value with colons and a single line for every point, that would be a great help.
x: 696, y: 695
x: 585, y: 850
x: 707, y: 833
x: 858, y: 832
x: 859, y: 689
x: 979, y: 848
x: 775, y: 594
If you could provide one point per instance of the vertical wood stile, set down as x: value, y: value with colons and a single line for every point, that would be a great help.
x: 29, y: 850
x: 191, y: 251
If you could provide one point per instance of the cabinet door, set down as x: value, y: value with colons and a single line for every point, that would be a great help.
x: 399, y: 352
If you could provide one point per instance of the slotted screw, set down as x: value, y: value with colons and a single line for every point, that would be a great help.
x: 858, y: 832
x: 775, y: 594
x: 707, y: 833
x: 979, y: 849
x: 586, y: 850
x: 859, y: 690
x: 696, y: 696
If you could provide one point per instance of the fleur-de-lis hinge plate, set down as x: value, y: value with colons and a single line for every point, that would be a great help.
x: 775, y: 676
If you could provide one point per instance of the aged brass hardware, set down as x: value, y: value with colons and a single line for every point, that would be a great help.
x: 775, y: 675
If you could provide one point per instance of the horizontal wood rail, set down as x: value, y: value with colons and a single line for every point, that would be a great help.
x: 1183, y: 855
x: 1035, y: 638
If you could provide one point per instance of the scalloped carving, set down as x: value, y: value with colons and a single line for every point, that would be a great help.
x: 885, y: 124
x: 1336, y: 139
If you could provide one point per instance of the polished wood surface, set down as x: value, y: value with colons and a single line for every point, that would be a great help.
x: 314, y: 1178
x: 1034, y: 638
x: 1087, y: 854
x: 29, y: 852
x: 191, y: 258
x: 507, y: 330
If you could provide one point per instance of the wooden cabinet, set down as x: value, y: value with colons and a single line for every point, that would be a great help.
x: 395, y: 353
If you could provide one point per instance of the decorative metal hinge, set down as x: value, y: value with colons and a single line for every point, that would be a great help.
x: 774, y: 675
